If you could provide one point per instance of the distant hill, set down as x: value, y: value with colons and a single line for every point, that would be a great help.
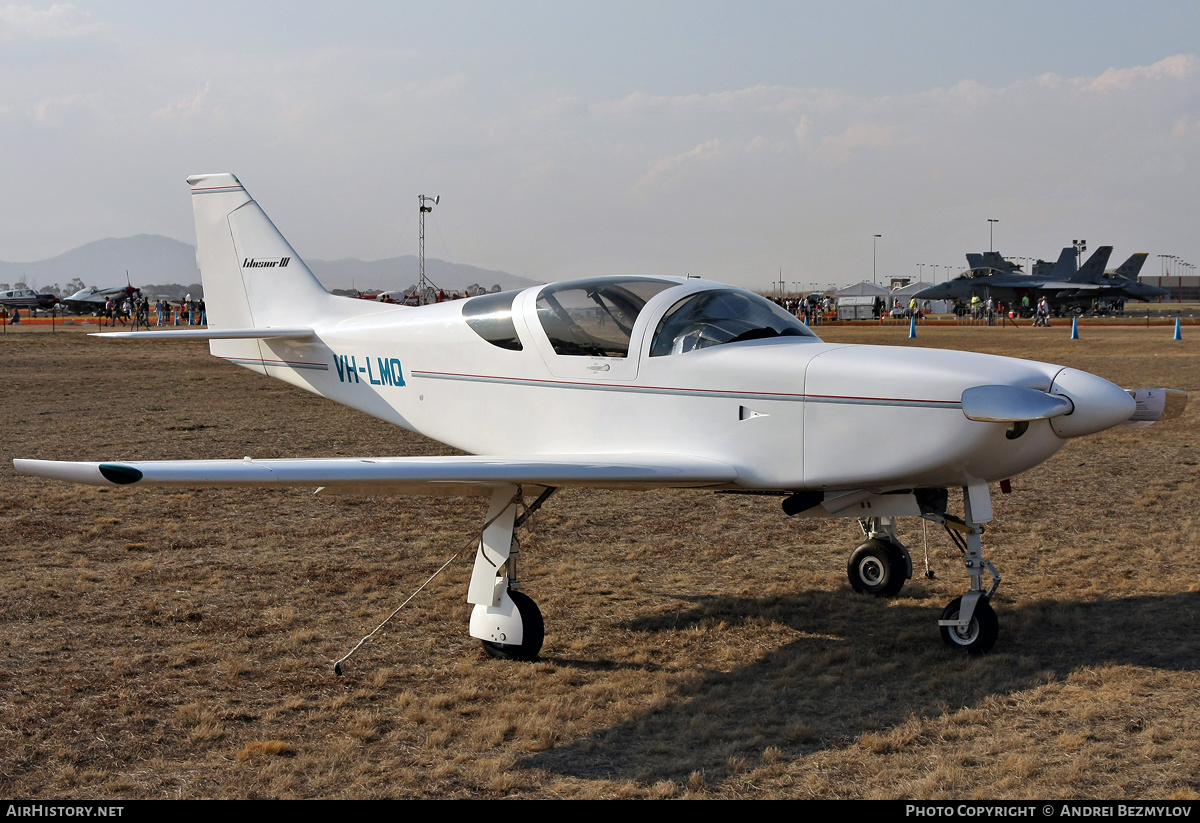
x: 149, y: 258
x: 154, y: 259
x: 401, y: 272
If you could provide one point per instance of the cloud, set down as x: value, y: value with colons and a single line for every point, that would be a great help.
x: 52, y: 110
x: 670, y: 166
x: 62, y: 20
x: 840, y: 147
x: 189, y: 105
x: 1177, y: 67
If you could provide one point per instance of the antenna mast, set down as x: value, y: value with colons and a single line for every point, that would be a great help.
x: 422, y: 285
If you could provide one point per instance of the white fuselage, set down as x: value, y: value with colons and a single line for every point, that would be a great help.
x: 787, y: 412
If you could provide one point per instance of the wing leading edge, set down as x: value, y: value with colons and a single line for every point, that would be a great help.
x: 265, y: 333
x: 452, y: 476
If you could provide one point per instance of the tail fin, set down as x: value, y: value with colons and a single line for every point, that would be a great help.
x: 1066, y: 266
x: 252, y: 277
x: 1093, y: 269
x: 1132, y: 267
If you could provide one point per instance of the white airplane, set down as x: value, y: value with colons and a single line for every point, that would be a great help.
x: 627, y: 383
x: 26, y: 299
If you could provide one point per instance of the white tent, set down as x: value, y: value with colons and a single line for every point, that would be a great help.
x: 858, y: 302
x: 862, y: 288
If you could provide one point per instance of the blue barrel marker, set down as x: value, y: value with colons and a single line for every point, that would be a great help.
x: 1178, y: 331
x: 1074, y: 328
x: 912, y: 327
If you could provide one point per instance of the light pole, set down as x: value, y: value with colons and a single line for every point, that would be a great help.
x: 874, y: 244
x: 990, y: 226
x: 425, y: 209
x: 1080, y: 248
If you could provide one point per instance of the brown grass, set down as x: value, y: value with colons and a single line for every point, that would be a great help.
x: 179, y: 643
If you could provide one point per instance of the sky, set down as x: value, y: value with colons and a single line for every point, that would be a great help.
x: 743, y: 142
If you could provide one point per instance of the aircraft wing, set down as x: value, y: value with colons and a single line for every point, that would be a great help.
x: 266, y: 333
x: 449, y: 476
x: 1064, y: 285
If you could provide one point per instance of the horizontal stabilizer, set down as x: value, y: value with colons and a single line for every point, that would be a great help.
x: 1154, y: 405
x: 1011, y: 404
x: 211, y: 334
x: 456, y: 475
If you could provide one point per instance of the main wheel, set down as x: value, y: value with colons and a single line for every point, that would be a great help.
x: 980, y: 634
x: 877, y: 567
x: 533, y: 629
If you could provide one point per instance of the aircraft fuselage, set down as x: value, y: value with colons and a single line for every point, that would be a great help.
x: 787, y: 412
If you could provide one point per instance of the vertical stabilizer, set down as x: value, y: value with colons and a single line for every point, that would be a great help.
x: 1066, y: 265
x: 1131, y: 268
x: 252, y: 277
x: 1093, y: 269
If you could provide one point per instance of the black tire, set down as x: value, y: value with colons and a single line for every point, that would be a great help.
x: 877, y: 567
x: 533, y: 628
x: 979, y: 636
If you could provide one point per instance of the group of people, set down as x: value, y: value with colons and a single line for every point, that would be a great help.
x: 810, y: 308
x: 189, y: 312
x: 136, y: 310
x: 123, y: 311
x: 988, y: 309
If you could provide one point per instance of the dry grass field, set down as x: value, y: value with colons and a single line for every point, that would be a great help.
x: 162, y: 644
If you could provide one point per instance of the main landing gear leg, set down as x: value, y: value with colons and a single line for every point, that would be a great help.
x: 880, y: 565
x: 507, y: 621
x: 969, y: 622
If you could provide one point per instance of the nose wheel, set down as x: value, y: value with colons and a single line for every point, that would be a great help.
x: 968, y: 622
x: 981, y: 631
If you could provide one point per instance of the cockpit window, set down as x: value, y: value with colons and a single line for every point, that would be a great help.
x: 490, y: 317
x: 712, y: 318
x: 594, y: 317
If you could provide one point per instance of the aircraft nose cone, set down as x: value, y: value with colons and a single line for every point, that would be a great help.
x: 1099, y: 405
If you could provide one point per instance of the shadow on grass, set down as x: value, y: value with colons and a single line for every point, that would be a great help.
x: 862, y: 665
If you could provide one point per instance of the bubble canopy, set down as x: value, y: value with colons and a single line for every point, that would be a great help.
x: 596, y: 317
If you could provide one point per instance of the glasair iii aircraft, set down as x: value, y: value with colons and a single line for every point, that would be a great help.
x: 627, y: 383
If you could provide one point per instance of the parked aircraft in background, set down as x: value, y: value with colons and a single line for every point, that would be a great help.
x: 26, y: 299
x: 991, y: 275
x: 1124, y: 283
x: 989, y: 263
x: 1100, y: 288
x: 628, y: 383
x: 1063, y: 286
x: 91, y: 300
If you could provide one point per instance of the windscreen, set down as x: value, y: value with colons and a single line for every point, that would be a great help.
x: 720, y: 316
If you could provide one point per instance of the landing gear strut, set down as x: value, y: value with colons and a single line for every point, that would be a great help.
x: 969, y: 622
x: 507, y: 621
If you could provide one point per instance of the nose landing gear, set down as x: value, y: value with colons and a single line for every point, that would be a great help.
x: 969, y: 622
